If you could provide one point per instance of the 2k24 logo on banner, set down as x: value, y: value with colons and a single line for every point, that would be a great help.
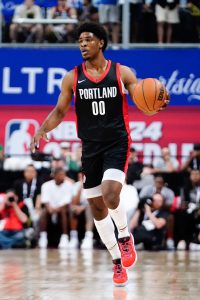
x: 18, y: 136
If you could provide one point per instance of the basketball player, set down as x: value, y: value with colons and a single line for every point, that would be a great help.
x: 99, y: 87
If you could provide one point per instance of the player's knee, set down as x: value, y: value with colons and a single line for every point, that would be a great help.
x: 110, y: 198
x: 99, y: 210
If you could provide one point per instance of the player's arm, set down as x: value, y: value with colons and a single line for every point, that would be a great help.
x: 129, y: 79
x: 58, y: 113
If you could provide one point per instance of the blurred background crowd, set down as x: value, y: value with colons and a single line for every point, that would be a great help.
x: 52, y: 21
x: 42, y: 201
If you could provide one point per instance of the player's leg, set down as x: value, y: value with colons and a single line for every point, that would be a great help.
x: 105, y: 228
x: 92, y: 170
x: 115, y: 165
x: 92, y: 167
x: 104, y: 225
x: 111, y: 190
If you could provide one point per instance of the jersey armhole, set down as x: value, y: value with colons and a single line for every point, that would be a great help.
x: 122, y: 88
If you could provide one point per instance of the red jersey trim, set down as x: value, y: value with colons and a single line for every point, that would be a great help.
x: 75, y: 82
x: 126, y: 122
x: 101, y: 77
x: 74, y: 88
x: 119, y: 79
x: 125, y: 114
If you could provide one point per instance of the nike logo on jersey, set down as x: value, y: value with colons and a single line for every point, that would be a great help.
x: 79, y: 81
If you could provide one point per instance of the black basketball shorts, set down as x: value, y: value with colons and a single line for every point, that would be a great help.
x: 104, y: 161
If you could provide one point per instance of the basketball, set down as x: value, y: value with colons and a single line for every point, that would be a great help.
x: 149, y: 95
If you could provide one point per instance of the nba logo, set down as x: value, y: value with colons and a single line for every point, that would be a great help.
x: 18, y: 136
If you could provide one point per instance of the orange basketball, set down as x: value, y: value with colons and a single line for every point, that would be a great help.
x: 149, y: 95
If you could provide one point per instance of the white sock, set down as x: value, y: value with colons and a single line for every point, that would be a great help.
x: 89, y: 234
x: 106, y: 229
x: 43, y: 234
x: 74, y: 234
x: 119, y: 217
x: 64, y: 236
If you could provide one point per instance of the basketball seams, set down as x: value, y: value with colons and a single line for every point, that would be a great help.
x: 161, y: 101
x: 155, y: 94
x: 144, y: 96
x: 149, y: 89
x: 137, y: 104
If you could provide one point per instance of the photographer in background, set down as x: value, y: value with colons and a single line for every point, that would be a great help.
x: 13, y: 217
x: 149, y: 223
x: 159, y: 186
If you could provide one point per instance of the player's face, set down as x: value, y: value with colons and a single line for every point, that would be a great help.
x: 89, y: 45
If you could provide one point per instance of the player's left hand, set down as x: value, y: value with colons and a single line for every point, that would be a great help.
x: 40, y: 134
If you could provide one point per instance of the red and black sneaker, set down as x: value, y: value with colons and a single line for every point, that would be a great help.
x: 120, y: 277
x: 128, y: 252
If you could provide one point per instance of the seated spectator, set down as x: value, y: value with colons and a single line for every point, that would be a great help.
x: 65, y: 154
x: 168, y: 195
x: 149, y: 223
x: 187, y: 218
x: 138, y: 174
x: 193, y: 163
x: 80, y: 205
x: 29, y: 32
x: 56, y: 195
x: 65, y: 32
x: 75, y: 163
x: 13, y: 217
x: 166, y: 15
x: 59, y: 163
x: 158, y: 187
x: 1, y: 157
x: 71, y: 160
x: 165, y: 163
x: 135, y: 167
x: 88, y: 12
x: 29, y: 189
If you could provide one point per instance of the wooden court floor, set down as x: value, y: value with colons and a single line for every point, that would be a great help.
x: 86, y: 275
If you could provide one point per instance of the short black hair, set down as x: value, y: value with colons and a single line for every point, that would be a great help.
x: 97, y: 29
x: 58, y: 170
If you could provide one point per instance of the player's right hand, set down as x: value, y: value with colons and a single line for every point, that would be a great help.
x: 40, y: 134
x: 166, y: 101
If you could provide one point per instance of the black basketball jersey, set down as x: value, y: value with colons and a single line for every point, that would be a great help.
x: 101, y: 106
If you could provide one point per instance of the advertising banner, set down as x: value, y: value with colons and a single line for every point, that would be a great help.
x: 177, y: 128
x: 33, y: 76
